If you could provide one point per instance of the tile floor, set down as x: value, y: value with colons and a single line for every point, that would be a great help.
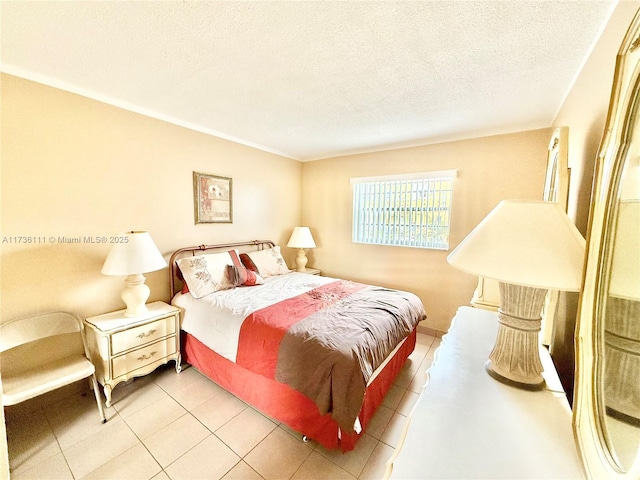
x: 184, y: 426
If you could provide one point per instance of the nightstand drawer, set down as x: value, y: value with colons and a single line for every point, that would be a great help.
x: 142, y: 335
x: 142, y: 357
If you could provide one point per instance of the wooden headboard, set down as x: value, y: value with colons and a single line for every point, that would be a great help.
x: 175, y: 278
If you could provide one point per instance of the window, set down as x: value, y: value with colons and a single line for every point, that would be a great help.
x: 406, y: 210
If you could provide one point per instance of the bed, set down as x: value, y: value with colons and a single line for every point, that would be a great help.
x: 315, y: 353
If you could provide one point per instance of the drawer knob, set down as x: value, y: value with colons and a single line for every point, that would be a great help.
x: 146, y: 357
x: 147, y: 334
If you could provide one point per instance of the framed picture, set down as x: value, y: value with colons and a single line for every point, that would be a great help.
x: 212, y: 198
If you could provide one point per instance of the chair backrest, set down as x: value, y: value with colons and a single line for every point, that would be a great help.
x: 30, y: 341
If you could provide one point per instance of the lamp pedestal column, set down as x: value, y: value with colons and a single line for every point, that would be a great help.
x: 135, y: 295
x: 515, y: 358
x: 301, y: 261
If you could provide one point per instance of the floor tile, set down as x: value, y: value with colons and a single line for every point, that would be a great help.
x: 245, y: 431
x: 298, y: 437
x: 174, y: 440
x: 405, y: 406
x: 318, y: 467
x: 434, y: 347
x: 54, y: 468
x: 394, y: 429
x: 420, y: 378
x: 416, y: 357
x: 161, y: 476
x: 242, y: 471
x: 379, y: 422
x: 355, y: 460
x: 130, y: 397
x: 217, y: 411
x: 404, y: 377
x: 375, y: 468
x: 210, y: 459
x: 73, y: 404
x: 393, y: 397
x: 30, y: 441
x: 197, y: 393
x: 76, y: 418
x: 154, y: 417
x: 43, y: 401
x: 134, y: 464
x: 23, y: 409
x: 170, y: 381
x: 86, y: 456
x: 424, y: 339
x: 278, y: 456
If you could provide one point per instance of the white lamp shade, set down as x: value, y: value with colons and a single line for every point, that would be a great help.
x: 135, y: 253
x: 522, y: 242
x: 301, y: 238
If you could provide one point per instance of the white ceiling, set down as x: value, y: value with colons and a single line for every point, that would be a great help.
x: 313, y: 79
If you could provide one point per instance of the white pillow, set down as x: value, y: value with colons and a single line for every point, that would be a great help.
x: 269, y: 262
x: 205, y: 274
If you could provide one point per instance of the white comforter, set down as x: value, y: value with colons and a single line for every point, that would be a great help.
x: 216, y: 319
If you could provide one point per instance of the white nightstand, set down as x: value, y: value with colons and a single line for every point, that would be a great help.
x: 313, y: 271
x: 122, y: 347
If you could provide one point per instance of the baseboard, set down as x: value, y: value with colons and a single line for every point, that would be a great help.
x: 430, y: 331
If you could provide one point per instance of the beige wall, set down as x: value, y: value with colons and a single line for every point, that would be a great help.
x: 72, y: 166
x: 585, y: 110
x: 490, y: 169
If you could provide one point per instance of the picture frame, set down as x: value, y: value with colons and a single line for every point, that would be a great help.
x: 212, y: 198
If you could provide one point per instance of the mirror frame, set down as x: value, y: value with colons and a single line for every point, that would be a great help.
x: 599, y: 463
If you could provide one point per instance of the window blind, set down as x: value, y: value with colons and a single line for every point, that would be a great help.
x: 412, y: 210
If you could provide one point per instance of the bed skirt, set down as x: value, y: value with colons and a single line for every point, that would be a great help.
x: 287, y: 405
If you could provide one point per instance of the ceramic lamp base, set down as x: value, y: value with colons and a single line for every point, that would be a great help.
x: 515, y: 358
x: 135, y: 295
x: 301, y: 261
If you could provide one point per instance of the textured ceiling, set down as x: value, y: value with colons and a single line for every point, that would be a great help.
x: 313, y: 79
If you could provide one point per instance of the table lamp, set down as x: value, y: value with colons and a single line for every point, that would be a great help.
x: 134, y: 254
x: 528, y: 247
x: 301, y: 238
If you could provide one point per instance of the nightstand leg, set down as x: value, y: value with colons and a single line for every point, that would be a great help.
x: 179, y: 364
x: 107, y: 394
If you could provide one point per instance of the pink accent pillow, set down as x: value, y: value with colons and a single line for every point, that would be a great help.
x: 248, y: 263
x: 239, y: 275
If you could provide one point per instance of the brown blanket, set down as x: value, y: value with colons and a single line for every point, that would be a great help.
x: 330, y: 355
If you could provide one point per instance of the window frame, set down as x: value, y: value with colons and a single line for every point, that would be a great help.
x: 398, y: 227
